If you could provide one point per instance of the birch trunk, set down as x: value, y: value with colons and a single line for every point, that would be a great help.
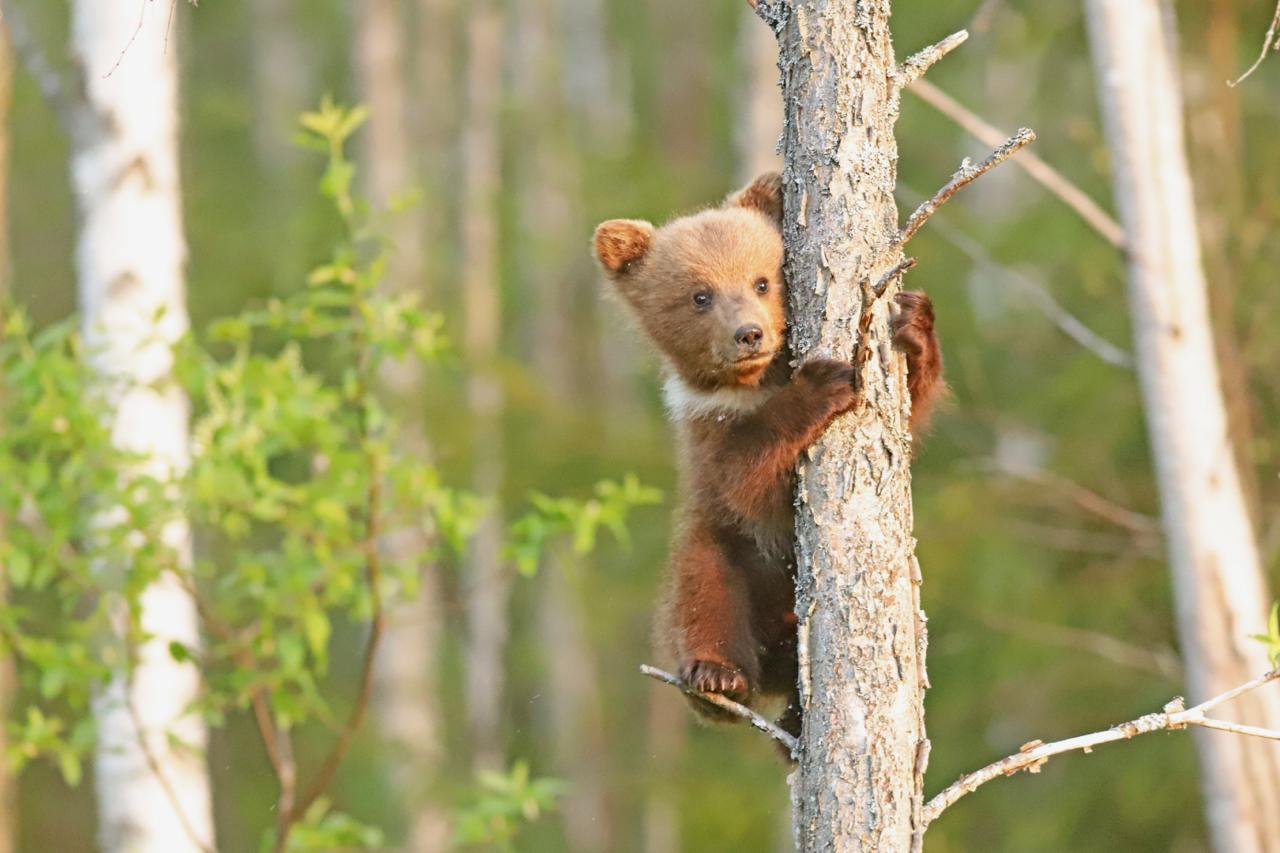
x: 1219, y: 588
x: 488, y: 584
x: 857, y: 787
x: 130, y: 258
x: 407, y: 668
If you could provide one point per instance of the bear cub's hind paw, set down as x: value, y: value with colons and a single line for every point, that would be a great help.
x: 708, y: 677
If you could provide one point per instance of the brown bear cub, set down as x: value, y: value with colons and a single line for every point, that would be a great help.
x: 707, y: 289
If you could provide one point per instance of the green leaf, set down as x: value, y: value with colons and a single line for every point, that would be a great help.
x: 70, y: 767
x: 19, y: 566
x: 179, y: 652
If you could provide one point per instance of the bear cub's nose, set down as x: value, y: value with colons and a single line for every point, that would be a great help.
x: 749, y: 338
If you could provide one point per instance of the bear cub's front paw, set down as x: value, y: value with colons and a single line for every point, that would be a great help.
x: 709, y: 677
x: 834, y: 380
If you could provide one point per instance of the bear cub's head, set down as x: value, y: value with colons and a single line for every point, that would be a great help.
x: 707, y: 288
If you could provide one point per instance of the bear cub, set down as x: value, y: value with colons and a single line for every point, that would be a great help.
x: 707, y: 290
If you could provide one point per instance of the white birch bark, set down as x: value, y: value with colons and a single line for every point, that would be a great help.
x: 1219, y: 587
x: 487, y: 580
x: 861, y: 661
x: 407, y: 668
x: 130, y: 258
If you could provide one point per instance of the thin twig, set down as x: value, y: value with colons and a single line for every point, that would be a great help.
x: 1040, y: 171
x: 274, y: 740
x: 729, y: 705
x: 1158, y: 661
x: 965, y: 175
x: 888, y: 278
x: 1271, y: 42
x: 54, y: 87
x: 287, y: 776
x: 373, y: 579
x: 153, y: 763
x: 1067, y: 323
x: 1173, y: 717
x: 921, y: 61
x: 1083, y: 497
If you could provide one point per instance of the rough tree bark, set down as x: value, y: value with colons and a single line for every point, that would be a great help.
x: 1219, y: 588
x: 857, y: 787
x: 130, y: 258
x: 488, y: 584
x: 407, y: 668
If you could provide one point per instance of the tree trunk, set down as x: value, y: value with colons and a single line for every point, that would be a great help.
x: 281, y: 66
x: 488, y: 584
x: 1218, y: 583
x: 857, y: 787
x: 130, y: 258
x: 408, y: 664
x: 433, y: 116
x: 8, y: 824
x: 550, y: 225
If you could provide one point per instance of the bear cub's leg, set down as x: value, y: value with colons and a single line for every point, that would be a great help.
x: 914, y: 337
x: 710, y: 615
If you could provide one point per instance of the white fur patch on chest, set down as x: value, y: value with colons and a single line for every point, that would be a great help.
x: 685, y: 403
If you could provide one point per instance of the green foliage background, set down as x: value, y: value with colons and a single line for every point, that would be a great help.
x: 991, y: 547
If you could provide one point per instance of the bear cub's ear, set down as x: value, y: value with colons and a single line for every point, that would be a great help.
x: 621, y: 242
x: 763, y: 194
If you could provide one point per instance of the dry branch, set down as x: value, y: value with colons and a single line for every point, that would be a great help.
x: 1160, y: 661
x: 729, y: 705
x: 888, y: 278
x: 1070, y: 325
x: 54, y: 88
x: 920, y: 62
x: 965, y: 175
x: 1271, y: 42
x: 1174, y: 717
x: 1040, y: 171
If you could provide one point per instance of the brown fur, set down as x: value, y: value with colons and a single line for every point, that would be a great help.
x: 742, y: 421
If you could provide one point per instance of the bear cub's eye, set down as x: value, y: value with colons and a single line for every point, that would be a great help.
x: 762, y: 286
x: 702, y: 299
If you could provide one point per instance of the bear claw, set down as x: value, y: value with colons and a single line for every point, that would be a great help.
x: 708, y: 677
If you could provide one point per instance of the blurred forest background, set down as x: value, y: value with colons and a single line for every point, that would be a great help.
x: 523, y: 123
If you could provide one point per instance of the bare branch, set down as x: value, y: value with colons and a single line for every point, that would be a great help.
x: 965, y: 175
x: 1040, y: 171
x: 1271, y: 42
x: 1085, y: 498
x: 738, y: 710
x: 1067, y: 323
x: 57, y: 92
x: 377, y: 625
x: 1174, y: 717
x: 1160, y: 661
x: 920, y: 62
x: 888, y: 278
